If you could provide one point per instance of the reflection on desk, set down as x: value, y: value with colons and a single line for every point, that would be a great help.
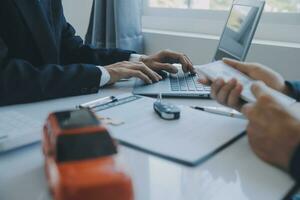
x: 235, y: 173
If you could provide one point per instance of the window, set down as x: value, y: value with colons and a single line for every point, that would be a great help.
x: 284, y: 6
x: 280, y: 20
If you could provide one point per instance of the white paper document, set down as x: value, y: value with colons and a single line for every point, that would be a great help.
x: 190, y: 139
x: 17, y: 129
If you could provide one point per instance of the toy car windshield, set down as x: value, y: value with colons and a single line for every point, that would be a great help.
x: 84, y: 146
x: 76, y: 119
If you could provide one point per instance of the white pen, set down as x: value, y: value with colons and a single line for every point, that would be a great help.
x: 98, y: 102
x: 220, y: 111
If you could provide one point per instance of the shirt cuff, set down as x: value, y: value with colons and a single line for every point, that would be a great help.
x: 135, y: 57
x: 105, y: 77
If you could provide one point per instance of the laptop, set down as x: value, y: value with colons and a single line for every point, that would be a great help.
x: 235, y: 41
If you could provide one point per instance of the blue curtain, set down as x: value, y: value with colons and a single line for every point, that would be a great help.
x: 116, y: 24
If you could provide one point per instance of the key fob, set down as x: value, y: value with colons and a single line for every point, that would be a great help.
x: 166, y: 111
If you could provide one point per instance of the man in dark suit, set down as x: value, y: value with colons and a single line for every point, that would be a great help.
x: 273, y: 131
x: 42, y: 58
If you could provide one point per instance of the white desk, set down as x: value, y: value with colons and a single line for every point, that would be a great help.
x: 234, y: 173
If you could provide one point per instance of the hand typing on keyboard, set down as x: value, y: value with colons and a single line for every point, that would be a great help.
x: 163, y: 60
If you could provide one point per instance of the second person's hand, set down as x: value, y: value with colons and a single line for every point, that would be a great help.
x: 229, y: 93
x: 273, y: 132
x: 260, y: 72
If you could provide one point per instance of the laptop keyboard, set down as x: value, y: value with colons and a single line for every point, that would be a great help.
x: 186, y: 82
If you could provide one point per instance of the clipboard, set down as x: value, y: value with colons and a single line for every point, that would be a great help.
x: 191, y: 140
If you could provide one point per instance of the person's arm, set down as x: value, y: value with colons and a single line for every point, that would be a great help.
x: 295, y: 165
x: 294, y: 89
x: 21, y: 82
x: 74, y: 51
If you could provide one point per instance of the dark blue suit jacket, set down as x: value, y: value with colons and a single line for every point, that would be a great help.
x: 295, y: 161
x: 40, y: 56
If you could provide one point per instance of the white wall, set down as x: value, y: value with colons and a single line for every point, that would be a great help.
x: 283, y: 57
x: 77, y: 13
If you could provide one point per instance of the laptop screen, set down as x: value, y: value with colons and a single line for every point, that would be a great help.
x: 238, y: 33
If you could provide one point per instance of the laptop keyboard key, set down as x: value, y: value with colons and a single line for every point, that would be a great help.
x: 183, y: 85
x: 191, y: 84
x: 186, y: 82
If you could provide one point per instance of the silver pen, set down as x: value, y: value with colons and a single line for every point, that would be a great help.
x: 98, y: 102
x: 220, y: 111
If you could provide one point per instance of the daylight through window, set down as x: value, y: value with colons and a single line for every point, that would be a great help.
x: 283, y: 6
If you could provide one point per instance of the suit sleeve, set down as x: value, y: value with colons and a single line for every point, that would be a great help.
x: 74, y: 51
x: 21, y: 82
x: 294, y: 87
x: 295, y: 165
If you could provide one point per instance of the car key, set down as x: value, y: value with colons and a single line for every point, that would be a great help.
x: 166, y: 111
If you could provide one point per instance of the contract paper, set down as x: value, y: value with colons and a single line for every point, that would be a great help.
x: 190, y: 139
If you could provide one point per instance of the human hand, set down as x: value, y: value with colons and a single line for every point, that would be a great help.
x: 229, y: 93
x: 163, y: 60
x: 273, y: 132
x: 127, y: 69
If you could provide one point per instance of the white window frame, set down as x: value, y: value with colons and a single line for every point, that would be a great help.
x: 283, y: 27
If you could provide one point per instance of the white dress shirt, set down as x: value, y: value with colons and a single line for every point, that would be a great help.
x: 105, y: 78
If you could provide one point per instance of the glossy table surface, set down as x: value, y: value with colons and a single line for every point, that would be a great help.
x: 234, y: 173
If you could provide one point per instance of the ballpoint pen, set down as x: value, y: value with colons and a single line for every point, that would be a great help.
x: 98, y: 102
x: 220, y: 111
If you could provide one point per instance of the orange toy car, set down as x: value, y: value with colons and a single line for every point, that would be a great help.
x: 79, y: 160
